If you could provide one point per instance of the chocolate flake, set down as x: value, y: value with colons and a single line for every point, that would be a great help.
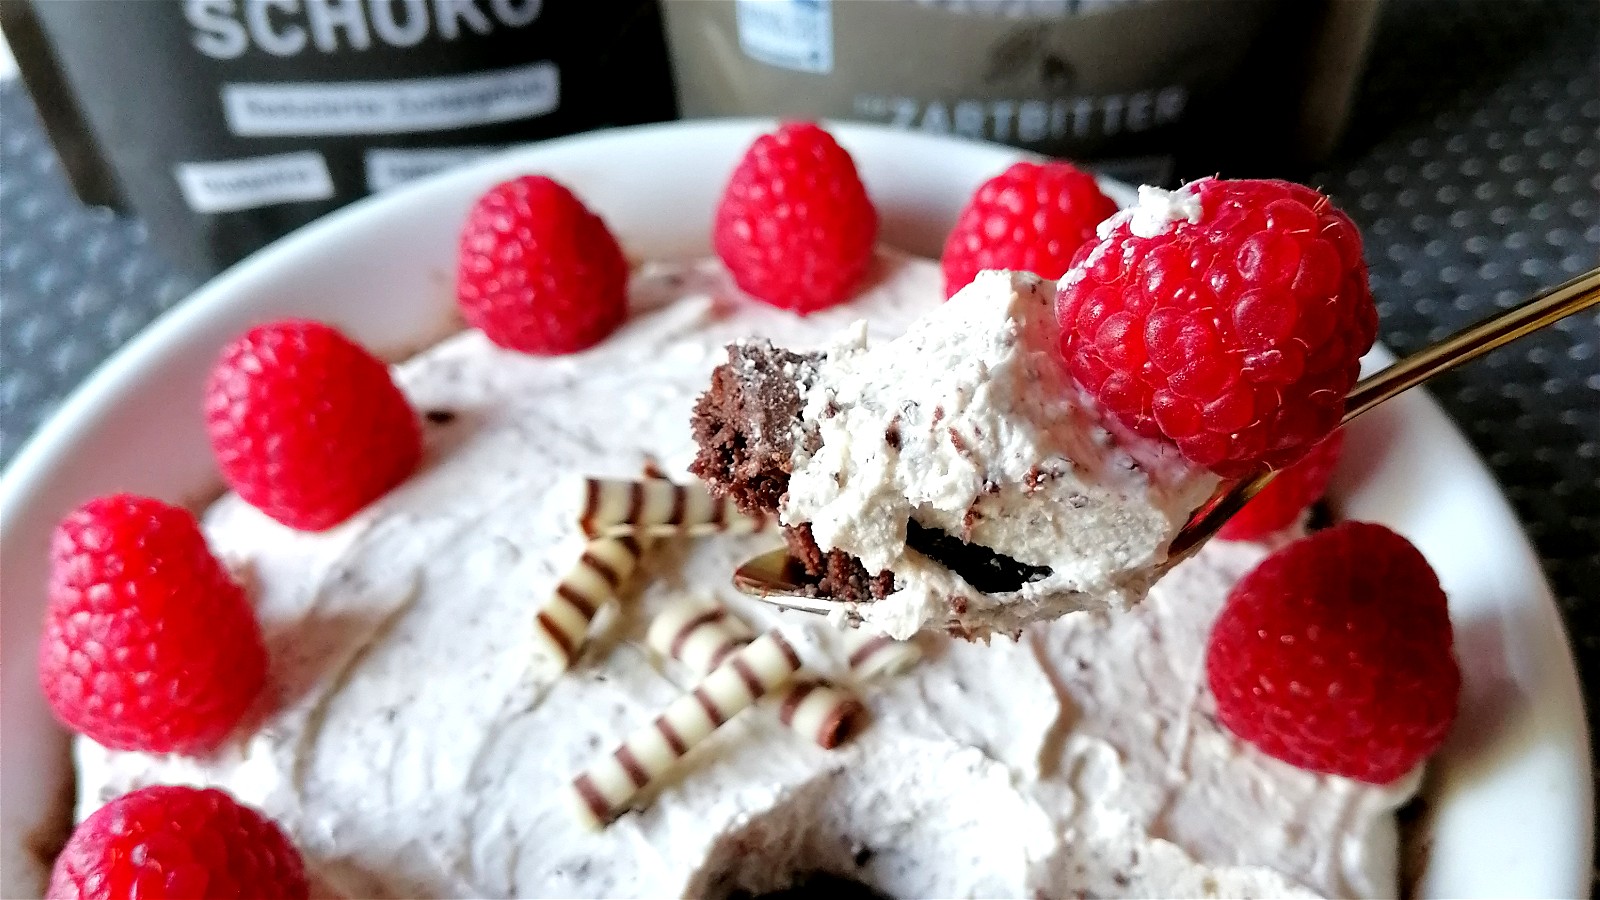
x: 970, y: 521
x: 439, y: 416
x: 957, y: 441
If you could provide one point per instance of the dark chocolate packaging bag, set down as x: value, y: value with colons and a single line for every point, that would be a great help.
x: 225, y: 123
x: 1137, y: 85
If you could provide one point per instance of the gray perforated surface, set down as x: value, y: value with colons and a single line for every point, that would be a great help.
x: 75, y: 281
x: 1473, y: 167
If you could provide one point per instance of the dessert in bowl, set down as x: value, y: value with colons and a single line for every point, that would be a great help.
x: 439, y: 569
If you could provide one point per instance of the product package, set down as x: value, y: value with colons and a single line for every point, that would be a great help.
x: 226, y: 123
x: 1147, y: 89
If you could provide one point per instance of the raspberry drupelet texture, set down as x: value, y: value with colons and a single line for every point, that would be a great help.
x: 1236, y: 335
x: 306, y: 425
x: 148, y: 643
x: 180, y: 843
x: 1033, y: 217
x: 1335, y: 655
x: 537, y: 271
x: 795, y: 226
x: 1288, y: 495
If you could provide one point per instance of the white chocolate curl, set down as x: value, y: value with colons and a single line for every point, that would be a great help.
x: 562, y: 624
x: 701, y: 634
x: 604, y: 790
x: 871, y: 654
x: 653, y: 507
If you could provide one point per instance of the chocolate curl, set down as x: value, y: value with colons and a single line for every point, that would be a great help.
x: 701, y: 635
x: 870, y: 654
x: 562, y: 624
x: 653, y: 507
x: 605, y: 789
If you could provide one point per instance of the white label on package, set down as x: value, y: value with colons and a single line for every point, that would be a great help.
x: 229, y: 185
x: 391, y: 166
x: 790, y: 34
x: 307, y: 109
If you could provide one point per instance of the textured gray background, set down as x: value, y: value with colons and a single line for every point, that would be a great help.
x: 1473, y: 167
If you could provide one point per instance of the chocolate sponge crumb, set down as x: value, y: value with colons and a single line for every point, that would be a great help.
x: 744, y: 424
x: 744, y: 427
x: 838, y: 574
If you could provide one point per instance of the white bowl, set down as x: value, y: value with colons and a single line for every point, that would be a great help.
x: 1509, y: 797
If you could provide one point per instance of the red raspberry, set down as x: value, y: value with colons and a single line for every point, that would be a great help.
x: 1335, y: 655
x: 1032, y: 217
x: 178, y: 842
x: 148, y: 643
x: 538, y: 272
x: 306, y: 425
x: 1288, y: 495
x: 1235, y: 337
x: 795, y: 225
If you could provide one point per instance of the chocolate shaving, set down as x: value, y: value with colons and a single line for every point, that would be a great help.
x: 970, y: 521
x: 957, y: 441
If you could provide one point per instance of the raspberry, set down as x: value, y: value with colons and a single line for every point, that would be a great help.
x: 1235, y: 337
x: 1032, y: 216
x: 148, y: 643
x: 795, y: 226
x: 1335, y: 655
x: 1288, y: 495
x: 538, y: 272
x: 178, y: 842
x: 306, y: 425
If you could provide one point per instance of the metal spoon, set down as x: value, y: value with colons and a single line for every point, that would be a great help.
x: 777, y: 577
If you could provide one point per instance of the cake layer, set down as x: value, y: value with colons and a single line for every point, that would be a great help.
x: 412, y: 746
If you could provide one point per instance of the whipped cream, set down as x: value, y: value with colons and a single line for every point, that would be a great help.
x: 969, y: 423
x: 410, y: 747
x: 1156, y: 211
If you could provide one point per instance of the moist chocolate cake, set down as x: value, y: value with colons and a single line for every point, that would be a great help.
x: 746, y: 426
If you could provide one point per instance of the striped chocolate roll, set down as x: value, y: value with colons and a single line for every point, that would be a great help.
x: 655, y: 508
x: 820, y: 711
x: 700, y: 634
x: 562, y: 625
x: 605, y: 789
x: 870, y: 654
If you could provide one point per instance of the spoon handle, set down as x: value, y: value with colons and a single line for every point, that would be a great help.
x: 1468, y: 344
x: 1464, y: 346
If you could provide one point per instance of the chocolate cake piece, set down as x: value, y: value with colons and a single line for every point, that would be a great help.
x: 746, y: 426
x: 838, y: 574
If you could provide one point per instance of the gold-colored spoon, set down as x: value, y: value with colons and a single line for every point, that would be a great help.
x: 776, y: 577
